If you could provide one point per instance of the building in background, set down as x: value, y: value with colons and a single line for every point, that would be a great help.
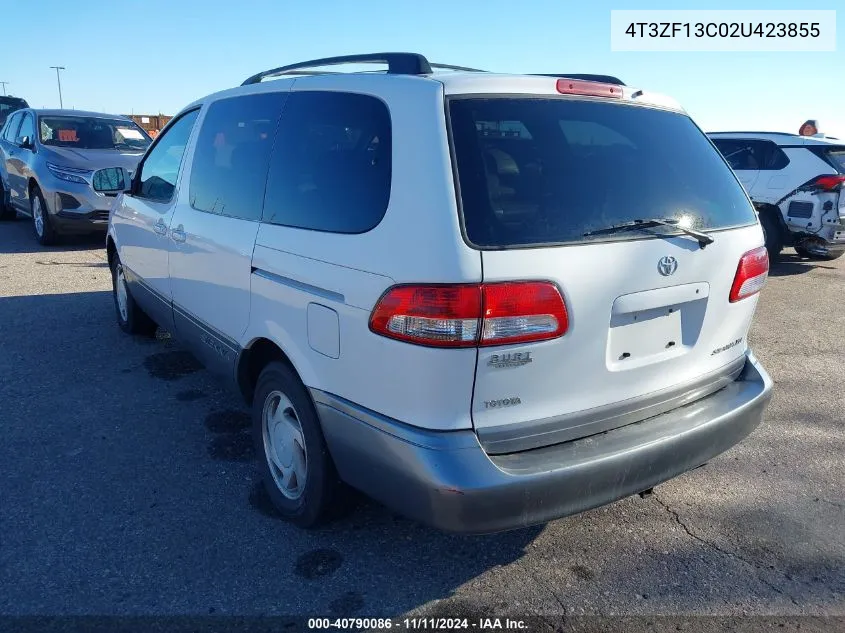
x: 152, y: 123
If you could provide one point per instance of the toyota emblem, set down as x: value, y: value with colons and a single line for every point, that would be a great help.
x: 667, y: 265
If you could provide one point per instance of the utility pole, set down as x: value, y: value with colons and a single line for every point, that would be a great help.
x: 4, y: 87
x: 59, y: 81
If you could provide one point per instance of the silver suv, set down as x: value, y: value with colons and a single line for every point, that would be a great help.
x: 62, y: 168
x: 484, y: 300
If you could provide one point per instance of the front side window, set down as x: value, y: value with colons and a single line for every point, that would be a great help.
x: 577, y: 166
x: 157, y: 180
x: 10, y: 131
x: 81, y: 132
x: 232, y: 153
x: 27, y: 129
x: 331, y: 166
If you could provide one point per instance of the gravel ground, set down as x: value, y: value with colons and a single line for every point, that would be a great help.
x: 127, y: 486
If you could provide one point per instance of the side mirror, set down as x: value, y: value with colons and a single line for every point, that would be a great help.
x: 25, y: 143
x: 112, y: 180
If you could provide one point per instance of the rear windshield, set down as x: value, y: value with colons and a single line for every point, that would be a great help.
x: 836, y: 156
x: 538, y: 171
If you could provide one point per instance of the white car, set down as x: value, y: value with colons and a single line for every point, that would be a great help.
x: 796, y: 185
x: 485, y: 300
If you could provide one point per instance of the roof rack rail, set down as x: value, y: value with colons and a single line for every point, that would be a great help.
x: 397, y: 64
x: 605, y: 79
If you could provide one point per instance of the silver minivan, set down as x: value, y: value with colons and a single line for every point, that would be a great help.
x: 59, y: 167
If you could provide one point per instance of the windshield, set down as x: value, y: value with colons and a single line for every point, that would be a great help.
x: 92, y: 133
x: 546, y: 171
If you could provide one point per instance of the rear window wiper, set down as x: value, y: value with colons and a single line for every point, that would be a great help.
x: 703, y: 238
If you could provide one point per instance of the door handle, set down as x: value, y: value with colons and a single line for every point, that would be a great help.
x: 178, y: 234
x: 160, y: 227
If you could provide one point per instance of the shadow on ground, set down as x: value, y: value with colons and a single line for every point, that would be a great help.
x: 22, y: 239
x: 789, y: 263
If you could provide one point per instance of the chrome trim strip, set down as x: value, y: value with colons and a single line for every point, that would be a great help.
x: 513, y: 438
x: 299, y: 285
x: 202, y: 325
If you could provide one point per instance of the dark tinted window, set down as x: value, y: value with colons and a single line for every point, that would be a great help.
x: 161, y: 164
x: 233, y: 149
x: 10, y: 131
x: 577, y: 166
x: 9, y: 105
x: 27, y: 128
x: 834, y: 155
x: 330, y: 169
x: 752, y: 154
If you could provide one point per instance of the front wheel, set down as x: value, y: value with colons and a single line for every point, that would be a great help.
x: 7, y: 212
x: 130, y: 317
x: 295, y: 465
x: 44, y: 231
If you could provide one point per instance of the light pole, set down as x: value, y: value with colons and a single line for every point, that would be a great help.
x: 59, y: 81
x: 4, y: 87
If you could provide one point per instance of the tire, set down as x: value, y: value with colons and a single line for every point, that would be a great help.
x: 771, y: 235
x: 44, y: 231
x: 130, y: 317
x: 802, y: 252
x: 7, y: 212
x: 294, y: 437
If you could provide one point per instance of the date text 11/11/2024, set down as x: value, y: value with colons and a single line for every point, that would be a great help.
x: 417, y: 624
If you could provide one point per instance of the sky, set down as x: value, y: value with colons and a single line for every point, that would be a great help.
x: 158, y: 56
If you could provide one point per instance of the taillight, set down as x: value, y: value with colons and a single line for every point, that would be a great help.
x: 444, y: 316
x: 750, y: 274
x: 470, y: 315
x: 588, y: 88
x: 828, y: 183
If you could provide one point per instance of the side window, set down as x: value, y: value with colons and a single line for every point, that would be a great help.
x: 27, y: 128
x: 10, y: 133
x: 157, y: 179
x: 741, y: 155
x: 770, y: 156
x: 232, y: 153
x: 331, y: 166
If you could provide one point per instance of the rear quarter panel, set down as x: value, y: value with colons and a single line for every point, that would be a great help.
x: 418, y: 240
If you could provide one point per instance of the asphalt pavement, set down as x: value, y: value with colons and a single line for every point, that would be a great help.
x: 127, y: 486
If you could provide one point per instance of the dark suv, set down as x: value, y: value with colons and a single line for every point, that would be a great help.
x: 8, y: 105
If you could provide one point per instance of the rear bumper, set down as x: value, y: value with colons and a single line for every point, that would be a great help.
x: 447, y: 480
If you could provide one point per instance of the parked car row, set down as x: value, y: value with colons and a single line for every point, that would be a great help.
x: 59, y: 166
x: 485, y: 300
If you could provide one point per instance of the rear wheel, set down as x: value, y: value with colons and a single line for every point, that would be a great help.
x: 130, y: 317
x: 295, y: 465
x: 44, y: 231
x: 818, y: 254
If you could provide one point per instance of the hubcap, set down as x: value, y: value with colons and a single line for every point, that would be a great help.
x: 120, y: 290
x: 38, y: 216
x: 284, y: 445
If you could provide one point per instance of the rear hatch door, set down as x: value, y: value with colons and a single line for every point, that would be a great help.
x: 651, y: 326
